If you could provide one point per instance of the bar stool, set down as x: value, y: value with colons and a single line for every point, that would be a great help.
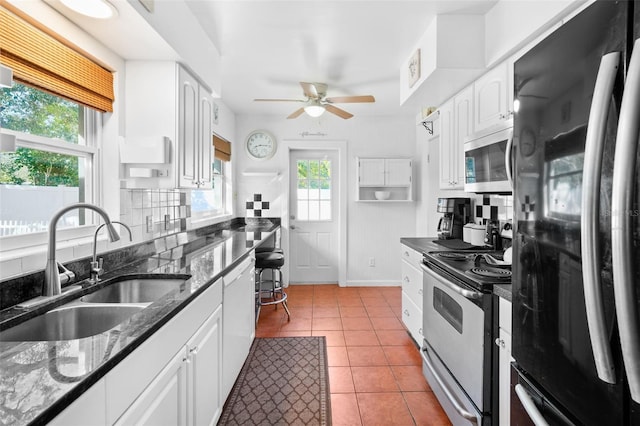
x: 270, y: 291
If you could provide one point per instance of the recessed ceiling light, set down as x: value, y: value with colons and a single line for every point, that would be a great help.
x: 100, y: 9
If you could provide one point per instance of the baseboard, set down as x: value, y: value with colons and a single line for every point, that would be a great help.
x: 373, y: 283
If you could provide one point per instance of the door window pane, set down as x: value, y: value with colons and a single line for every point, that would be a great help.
x: 314, y: 185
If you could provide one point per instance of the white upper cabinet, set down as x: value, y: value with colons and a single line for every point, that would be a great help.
x: 164, y: 100
x: 491, y: 95
x: 195, y: 133
x: 392, y: 175
x: 451, y: 165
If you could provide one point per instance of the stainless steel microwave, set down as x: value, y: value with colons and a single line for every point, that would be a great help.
x: 487, y: 160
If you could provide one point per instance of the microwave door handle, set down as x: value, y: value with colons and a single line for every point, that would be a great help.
x: 621, y: 221
x: 448, y: 392
x: 508, y: 160
x: 589, y: 221
x: 530, y: 406
x: 472, y: 295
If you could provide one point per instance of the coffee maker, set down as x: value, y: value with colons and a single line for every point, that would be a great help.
x: 455, y: 213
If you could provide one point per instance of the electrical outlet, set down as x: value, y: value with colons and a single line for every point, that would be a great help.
x: 372, y: 261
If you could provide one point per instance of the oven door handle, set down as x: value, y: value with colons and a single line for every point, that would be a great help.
x: 447, y: 392
x: 469, y: 294
x: 530, y: 406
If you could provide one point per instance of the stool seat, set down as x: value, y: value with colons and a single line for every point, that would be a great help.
x: 270, y: 291
x: 269, y: 250
x: 269, y: 260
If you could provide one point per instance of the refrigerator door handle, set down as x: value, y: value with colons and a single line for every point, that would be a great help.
x: 530, y: 406
x: 621, y: 222
x: 508, y: 160
x: 589, y: 222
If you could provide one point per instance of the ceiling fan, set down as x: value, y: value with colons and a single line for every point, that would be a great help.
x: 316, y: 101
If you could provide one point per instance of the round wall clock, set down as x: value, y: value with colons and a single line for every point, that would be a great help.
x: 260, y: 145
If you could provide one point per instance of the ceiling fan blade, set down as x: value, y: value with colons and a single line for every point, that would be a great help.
x: 279, y: 100
x: 337, y: 111
x: 296, y: 113
x: 350, y: 99
x: 309, y: 89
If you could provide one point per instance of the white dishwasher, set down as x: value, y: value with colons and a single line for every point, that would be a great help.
x: 238, y: 321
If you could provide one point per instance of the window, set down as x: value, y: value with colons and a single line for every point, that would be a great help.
x: 314, y: 190
x: 53, y: 163
x: 209, y: 203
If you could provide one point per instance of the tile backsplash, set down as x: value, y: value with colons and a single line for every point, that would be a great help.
x: 492, y: 207
x: 152, y: 213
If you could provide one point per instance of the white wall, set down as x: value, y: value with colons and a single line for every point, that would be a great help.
x: 373, y: 230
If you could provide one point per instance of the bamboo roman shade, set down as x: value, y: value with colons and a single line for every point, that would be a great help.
x: 222, y: 148
x: 41, y: 60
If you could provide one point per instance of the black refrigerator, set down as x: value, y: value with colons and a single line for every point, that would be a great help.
x: 576, y: 249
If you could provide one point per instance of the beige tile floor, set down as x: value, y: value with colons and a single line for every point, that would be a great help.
x: 375, y: 369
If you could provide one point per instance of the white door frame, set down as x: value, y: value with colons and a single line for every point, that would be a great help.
x: 341, y: 147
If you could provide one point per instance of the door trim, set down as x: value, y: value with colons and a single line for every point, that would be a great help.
x: 320, y: 145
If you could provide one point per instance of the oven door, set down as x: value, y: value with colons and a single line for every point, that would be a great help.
x: 454, y: 328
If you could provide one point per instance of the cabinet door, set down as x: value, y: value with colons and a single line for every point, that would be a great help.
x: 164, y: 401
x: 490, y: 93
x: 205, y: 158
x: 397, y: 171
x: 463, y: 127
x: 371, y: 171
x: 446, y: 140
x: 412, y: 318
x: 412, y: 283
x: 205, y: 372
x: 188, y: 130
x: 504, y: 377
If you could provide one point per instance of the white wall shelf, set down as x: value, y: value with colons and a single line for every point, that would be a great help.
x: 394, y: 175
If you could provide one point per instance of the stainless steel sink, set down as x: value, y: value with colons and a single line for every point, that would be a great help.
x: 138, y: 290
x: 69, y: 322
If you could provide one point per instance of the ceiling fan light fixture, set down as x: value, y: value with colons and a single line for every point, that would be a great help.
x: 314, y: 109
x: 99, y: 9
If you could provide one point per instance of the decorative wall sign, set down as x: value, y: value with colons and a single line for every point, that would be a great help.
x: 414, y: 68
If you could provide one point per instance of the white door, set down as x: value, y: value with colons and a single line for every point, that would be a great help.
x: 313, y: 201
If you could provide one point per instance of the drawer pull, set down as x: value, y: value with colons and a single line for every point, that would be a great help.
x: 406, y: 312
x: 406, y: 279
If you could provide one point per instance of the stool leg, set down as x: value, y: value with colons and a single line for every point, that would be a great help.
x: 258, y: 295
x: 283, y: 295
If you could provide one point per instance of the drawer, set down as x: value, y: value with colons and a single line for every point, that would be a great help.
x: 412, y: 318
x: 412, y: 283
x: 410, y: 255
x: 504, y: 319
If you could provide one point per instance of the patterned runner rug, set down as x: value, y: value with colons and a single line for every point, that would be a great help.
x: 284, y: 381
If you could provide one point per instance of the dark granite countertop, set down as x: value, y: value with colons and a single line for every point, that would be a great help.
x: 503, y: 291
x: 39, y: 379
x: 421, y: 244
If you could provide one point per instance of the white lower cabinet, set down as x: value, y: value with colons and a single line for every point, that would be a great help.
x: 504, y: 362
x: 204, y: 372
x: 412, y: 292
x: 164, y: 401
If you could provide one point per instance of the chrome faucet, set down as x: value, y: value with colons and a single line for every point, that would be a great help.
x: 96, y: 264
x: 52, y: 283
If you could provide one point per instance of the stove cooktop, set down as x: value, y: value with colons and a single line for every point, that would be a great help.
x: 474, y: 268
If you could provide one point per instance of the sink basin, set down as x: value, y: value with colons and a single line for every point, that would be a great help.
x: 138, y: 290
x: 69, y: 322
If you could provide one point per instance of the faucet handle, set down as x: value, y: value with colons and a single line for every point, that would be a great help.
x: 100, y: 263
x: 66, y: 275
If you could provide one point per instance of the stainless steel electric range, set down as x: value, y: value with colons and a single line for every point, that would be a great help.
x: 458, y: 329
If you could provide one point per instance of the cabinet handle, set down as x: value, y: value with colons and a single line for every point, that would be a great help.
x: 193, y: 350
x: 420, y: 331
x: 406, y: 254
x: 500, y: 343
x: 406, y: 279
x: 419, y: 291
x: 406, y: 312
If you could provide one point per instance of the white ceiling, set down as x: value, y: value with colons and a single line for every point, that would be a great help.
x: 357, y: 47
